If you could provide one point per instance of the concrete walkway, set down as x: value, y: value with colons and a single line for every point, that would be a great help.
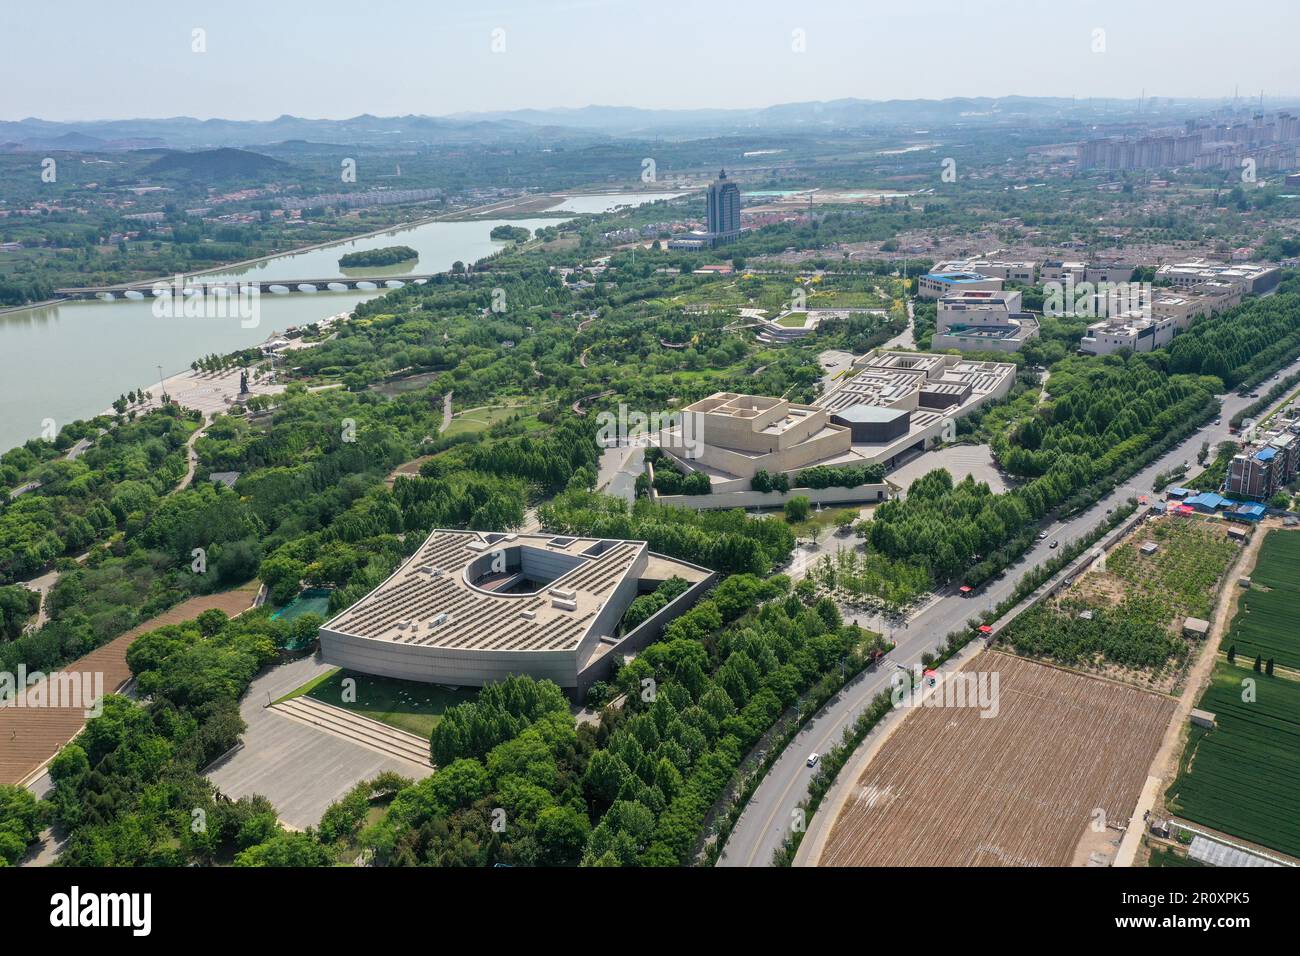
x: 191, y: 456
x: 907, y: 338
x: 446, y: 413
x: 300, y: 768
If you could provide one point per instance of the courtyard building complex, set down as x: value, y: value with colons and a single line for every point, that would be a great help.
x: 890, y: 406
x: 976, y: 321
x: 471, y: 607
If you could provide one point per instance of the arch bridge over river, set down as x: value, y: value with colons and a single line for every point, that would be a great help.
x: 146, y: 290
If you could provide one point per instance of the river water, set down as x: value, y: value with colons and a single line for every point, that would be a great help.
x: 69, y: 361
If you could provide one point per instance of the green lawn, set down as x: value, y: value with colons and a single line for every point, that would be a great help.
x: 406, y: 705
x: 824, y: 521
x: 481, y: 419
x: 793, y: 321
x: 1242, y: 777
x: 1267, y: 623
x: 847, y: 299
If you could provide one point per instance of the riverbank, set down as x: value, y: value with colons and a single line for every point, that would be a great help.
x: 471, y: 212
x: 526, y: 205
x: 63, y: 362
x: 212, y: 393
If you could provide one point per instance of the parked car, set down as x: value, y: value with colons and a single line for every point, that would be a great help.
x: 1054, y: 544
x: 1042, y: 535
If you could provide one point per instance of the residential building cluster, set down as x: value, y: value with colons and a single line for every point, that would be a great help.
x: 370, y: 197
x: 1269, y: 141
x: 1267, y: 464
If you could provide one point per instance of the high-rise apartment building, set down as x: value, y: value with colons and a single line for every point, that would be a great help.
x: 724, y: 209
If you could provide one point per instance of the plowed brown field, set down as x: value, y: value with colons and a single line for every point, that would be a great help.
x: 950, y: 788
x: 31, y: 736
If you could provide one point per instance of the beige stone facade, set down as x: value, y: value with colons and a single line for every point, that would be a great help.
x: 733, y: 436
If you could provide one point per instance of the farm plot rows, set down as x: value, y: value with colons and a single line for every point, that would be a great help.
x: 1185, y: 571
x: 1129, y: 615
x: 1267, y: 623
x: 1243, y: 776
x: 952, y: 788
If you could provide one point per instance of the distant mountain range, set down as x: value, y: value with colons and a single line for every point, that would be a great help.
x: 185, y: 132
x: 558, y: 125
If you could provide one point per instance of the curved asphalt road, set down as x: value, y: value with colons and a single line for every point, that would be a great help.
x: 765, y: 822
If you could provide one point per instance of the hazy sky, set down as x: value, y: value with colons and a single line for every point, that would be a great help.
x: 90, y: 59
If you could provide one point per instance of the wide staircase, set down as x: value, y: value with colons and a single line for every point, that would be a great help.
x: 358, y: 729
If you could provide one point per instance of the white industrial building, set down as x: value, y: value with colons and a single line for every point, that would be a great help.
x: 935, y: 285
x: 982, y: 321
x: 1171, y: 312
x: 1251, y: 277
x: 1023, y: 272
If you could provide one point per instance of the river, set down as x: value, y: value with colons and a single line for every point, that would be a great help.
x: 63, y: 362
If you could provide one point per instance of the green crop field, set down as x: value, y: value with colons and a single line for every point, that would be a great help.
x: 1243, y: 776
x: 1267, y: 623
x: 1166, y: 858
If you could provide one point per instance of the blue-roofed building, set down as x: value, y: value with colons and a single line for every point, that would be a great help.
x: 936, y: 285
x: 1208, y: 502
x: 1266, y: 454
x: 1251, y: 512
x: 1179, y: 493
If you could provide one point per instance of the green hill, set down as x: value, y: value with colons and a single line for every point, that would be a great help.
x: 211, y: 165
